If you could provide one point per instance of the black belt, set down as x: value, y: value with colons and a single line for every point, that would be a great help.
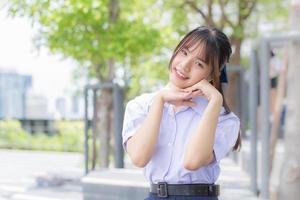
x: 163, y: 189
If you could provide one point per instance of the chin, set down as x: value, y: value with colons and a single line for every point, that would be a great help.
x: 177, y: 84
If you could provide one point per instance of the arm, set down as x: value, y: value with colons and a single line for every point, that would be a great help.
x: 199, y: 150
x: 141, y: 145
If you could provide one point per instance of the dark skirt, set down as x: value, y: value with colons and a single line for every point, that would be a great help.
x: 152, y: 196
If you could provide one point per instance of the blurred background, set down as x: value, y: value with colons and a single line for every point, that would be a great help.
x: 68, y: 68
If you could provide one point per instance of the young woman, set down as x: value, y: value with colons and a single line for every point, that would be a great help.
x: 179, y: 134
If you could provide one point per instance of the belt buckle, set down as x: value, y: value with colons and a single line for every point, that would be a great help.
x: 210, y: 190
x: 162, y: 189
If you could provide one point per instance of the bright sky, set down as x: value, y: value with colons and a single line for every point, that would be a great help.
x: 51, y: 75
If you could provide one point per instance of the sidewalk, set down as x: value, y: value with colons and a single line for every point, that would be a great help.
x: 130, y: 184
x: 19, y: 172
x: 235, y: 183
x: 34, y: 175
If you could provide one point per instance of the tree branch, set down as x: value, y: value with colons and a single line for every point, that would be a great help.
x: 193, y: 5
x: 224, y: 16
x: 209, y: 6
x: 250, y: 9
x: 114, y: 10
x: 98, y: 72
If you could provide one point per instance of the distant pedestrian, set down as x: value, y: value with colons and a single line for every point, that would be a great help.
x: 179, y: 134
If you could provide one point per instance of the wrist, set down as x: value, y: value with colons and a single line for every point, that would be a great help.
x: 160, y: 97
x: 217, y: 99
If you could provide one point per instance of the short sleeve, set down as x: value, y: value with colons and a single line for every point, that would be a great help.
x: 133, y: 117
x: 227, y: 132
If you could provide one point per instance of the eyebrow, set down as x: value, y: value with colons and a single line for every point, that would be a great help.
x: 196, y: 57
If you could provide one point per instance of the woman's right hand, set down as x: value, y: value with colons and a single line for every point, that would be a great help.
x: 177, y: 97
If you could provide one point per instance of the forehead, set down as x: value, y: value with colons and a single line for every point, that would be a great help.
x: 196, y: 49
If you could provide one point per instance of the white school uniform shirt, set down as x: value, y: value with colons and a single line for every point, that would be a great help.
x: 166, y: 163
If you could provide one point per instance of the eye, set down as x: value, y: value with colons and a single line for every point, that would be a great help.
x: 199, y: 64
x: 184, y: 52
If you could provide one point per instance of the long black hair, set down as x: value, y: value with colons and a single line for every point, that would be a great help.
x: 217, y: 51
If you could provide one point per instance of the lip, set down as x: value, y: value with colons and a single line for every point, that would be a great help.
x: 179, y: 74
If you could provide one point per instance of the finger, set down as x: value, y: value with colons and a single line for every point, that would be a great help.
x: 184, y: 90
x: 188, y: 95
x: 185, y: 93
x: 198, y: 93
x: 193, y: 88
x: 188, y: 90
x: 188, y: 103
x: 197, y: 90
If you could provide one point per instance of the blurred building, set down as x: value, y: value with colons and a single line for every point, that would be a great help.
x: 61, y: 109
x: 19, y: 101
x: 77, y: 107
x: 69, y: 107
x: 13, y: 89
x: 36, y: 106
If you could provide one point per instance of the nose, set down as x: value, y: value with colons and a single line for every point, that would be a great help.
x: 186, y: 64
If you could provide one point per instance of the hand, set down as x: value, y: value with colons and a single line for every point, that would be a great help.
x: 204, y: 88
x: 177, y: 97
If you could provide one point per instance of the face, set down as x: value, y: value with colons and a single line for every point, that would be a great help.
x: 188, y: 67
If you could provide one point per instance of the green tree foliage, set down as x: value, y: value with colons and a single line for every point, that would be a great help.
x: 239, y: 19
x: 235, y: 17
x: 144, y: 33
x: 82, y: 30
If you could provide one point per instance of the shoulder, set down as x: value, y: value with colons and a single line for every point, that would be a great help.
x: 202, y: 103
x: 142, y: 101
x: 229, y: 123
x: 227, y: 116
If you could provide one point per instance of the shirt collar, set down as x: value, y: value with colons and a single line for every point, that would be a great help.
x: 201, y: 103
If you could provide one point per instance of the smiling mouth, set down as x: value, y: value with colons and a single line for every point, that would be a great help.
x: 180, y: 75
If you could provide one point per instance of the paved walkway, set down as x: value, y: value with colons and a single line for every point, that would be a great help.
x: 33, y: 175
x: 235, y: 183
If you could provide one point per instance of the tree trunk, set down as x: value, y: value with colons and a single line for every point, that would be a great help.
x: 95, y: 132
x: 105, y: 101
x: 279, y: 97
x: 104, y: 106
x: 289, y: 187
x: 231, y: 92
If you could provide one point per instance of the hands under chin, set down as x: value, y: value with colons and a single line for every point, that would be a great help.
x: 205, y: 89
x: 177, y: 97
x: 183, y: 97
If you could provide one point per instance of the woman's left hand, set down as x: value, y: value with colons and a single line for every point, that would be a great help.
x: 204, y: 88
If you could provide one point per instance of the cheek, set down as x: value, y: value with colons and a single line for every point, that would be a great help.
x: 176, y: 60
x: 198, y: 75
